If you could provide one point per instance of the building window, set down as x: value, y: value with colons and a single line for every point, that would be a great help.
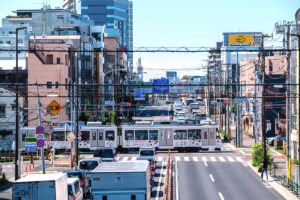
x: 49, y: 59
x: 13, y: 106
x: 8, y: 42
x: 270, y: 66
x: 20, y: 41
x: 2, y: 111
x: 58, y: 61
x: 1, y: 42
x: 60, y: 17
x: 49, y: 84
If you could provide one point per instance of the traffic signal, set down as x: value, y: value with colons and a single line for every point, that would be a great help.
x: 222, y: 100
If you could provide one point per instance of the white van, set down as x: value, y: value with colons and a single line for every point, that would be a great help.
x: 74, y: 189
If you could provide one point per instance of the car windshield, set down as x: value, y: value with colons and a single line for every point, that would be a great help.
x: 146, y: 153
x: 88, y: 165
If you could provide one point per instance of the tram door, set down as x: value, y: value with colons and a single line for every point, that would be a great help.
x: 204, y: 136
x: 97, y: 139
x: 166, y: 137
x: 211, y: 137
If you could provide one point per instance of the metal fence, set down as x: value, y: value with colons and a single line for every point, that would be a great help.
x: 278, y: 173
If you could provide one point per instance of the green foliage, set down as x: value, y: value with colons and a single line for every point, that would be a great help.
x: 3, y: 180
x: 233, y: 108
x: 258, y: 154
x: 296, y: 162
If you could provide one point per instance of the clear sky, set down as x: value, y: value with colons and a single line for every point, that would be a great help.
x: 189, y: 23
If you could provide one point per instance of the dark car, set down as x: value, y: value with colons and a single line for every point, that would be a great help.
x: 107, y: 154
x: 84, y: 184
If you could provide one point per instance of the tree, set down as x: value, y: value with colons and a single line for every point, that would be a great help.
x: 258, y: 154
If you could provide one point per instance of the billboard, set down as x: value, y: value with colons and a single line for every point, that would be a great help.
x: 160, y: 86
x: 139, y: 94
x: 242, y: 39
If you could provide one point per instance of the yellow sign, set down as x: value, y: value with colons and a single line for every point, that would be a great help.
x: 290, y: 167
x: 53, y: 108
x: 240, y: 40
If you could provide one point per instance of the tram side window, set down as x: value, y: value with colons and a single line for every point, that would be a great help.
x: 205, y: 135
x: 180, y: 135
x: 109, y: 135
x: 94, y: 135
x: 85, y: 135
x: 194, y: 134
x: 153, y: 134
x: 141, y: 134
x: 212, y: 135
x: 58, y: 136
x: 129, y: 135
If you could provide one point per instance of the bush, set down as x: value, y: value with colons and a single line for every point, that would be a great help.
x: 258, y: 155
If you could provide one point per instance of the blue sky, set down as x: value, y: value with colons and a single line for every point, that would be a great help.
x: 190, y: 23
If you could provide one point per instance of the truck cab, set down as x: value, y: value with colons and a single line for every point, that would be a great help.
x: 148, y: 153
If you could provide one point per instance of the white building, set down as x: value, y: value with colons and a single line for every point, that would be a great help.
x: 8, y: 118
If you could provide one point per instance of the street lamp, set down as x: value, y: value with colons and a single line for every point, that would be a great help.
x: 17, y: 105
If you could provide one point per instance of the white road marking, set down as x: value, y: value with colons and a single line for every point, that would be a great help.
x: 160, y: 159
x: 212, y: 178
x: 125, y: 158
x: 221, y: 159
x: 205, y: 163
x: 230, y: 159
x: 204, y: 159
x: 195, y: 159
x: 221, y: 196
x: 177, y: 158
x: 159, y: 181
x: 118, y: 158
x: 133, y: 158
x: 213, y: 159
x: 239, y: 159
x: 186, y: 159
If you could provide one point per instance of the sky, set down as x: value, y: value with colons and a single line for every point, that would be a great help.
x: 187, y: 23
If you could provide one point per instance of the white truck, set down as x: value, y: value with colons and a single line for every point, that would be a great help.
x: 41, y: 186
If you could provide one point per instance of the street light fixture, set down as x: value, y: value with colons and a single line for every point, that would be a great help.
x: 17, y: 105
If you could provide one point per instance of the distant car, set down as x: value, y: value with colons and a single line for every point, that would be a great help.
x: 74, y: 190
x: 181, y: 120
x: 88, y: 164
x: 84, y: 184
x: 107, y: 154
x: 280, y: 138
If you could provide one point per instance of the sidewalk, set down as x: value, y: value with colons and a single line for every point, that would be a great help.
x: 284, y: 192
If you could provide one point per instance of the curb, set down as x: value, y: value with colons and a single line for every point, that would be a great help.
x: 284, y: 192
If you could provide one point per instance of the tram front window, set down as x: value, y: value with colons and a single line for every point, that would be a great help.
x: 141, y: 135
x: 85, y: 135
x: 129, y: 135
x: 110, y: 135
x: 153, y: 134
x: 58, y: 136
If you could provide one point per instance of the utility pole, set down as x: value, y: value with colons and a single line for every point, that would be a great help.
x: 263, y: 113
x: 254, y: 104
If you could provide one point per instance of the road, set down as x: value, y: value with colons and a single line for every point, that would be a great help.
x: 219, y: 176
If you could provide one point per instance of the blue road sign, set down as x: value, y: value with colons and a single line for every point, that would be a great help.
x: 40, y: 143
x: 31, y: 149
x: 39, y: 129
x: 139, y: 94
x: 160, y: 86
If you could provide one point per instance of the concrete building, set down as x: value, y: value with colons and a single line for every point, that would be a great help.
x: 172, y: 76
x: 8, y: 118
x: 72, y: 5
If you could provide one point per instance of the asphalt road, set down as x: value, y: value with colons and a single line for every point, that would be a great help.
x: 221, y: 179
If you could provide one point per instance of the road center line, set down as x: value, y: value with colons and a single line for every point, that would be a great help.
x: 159, y: 181
x: 212, y: 178
x: 221, y: 196
x: 205, y: 163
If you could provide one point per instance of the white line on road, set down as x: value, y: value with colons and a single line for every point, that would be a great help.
x: 125, y: 158
x: 212, y: 178
x: 221, y: 196
x: 221, y: 159
x: 133, y: 158
x: 195, y: 159
x: 118, y: 158
x: 213, y: 159
x: 230, y: 159
x: 186, y: 159
x: 205, y: 163
x: 159, y: 159
x: 177, y: 158
x: 239, y: 159
x: 204, y: 159
x: 159, y: 181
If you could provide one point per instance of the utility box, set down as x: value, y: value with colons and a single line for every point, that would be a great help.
x: 41, y: 186
x: 121, y: 181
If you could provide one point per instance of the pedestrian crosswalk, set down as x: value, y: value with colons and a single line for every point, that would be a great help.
x: 214, y: 159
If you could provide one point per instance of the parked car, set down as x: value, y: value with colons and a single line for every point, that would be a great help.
x: 148, y: 153
x: 280, y: 138
x: 84, y: 183
x: 107, y: 154
x: 74, y: 189
x: 88, y: 164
